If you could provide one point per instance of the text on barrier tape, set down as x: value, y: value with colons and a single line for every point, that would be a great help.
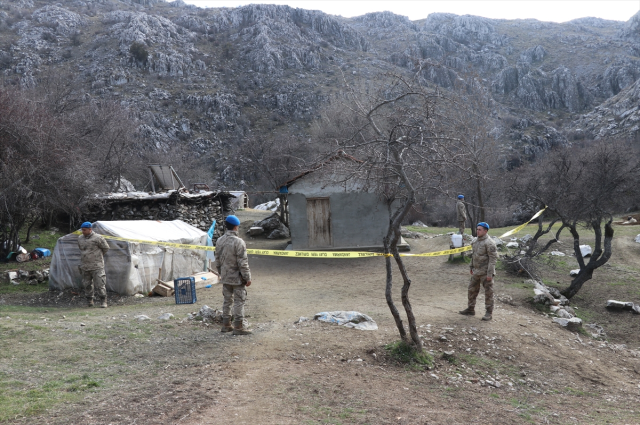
x: 317, y: 254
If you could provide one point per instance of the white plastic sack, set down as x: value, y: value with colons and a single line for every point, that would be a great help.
x: 350, y: 319
x: 132, y: 267
x: 585, y: 250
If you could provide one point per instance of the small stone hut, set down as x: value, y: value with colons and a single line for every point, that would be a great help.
x: 327, y: 212
x: 197, y: 208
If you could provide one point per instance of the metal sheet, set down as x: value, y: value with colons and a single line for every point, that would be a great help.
x: 166, y: 177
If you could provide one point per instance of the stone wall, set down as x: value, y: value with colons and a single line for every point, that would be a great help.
x: 194, y: 209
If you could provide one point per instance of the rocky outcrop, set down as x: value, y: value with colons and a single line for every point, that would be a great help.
x: 207, y: 78
x: 539, y: 90
x: 618, y: 116
x: 631, y: 29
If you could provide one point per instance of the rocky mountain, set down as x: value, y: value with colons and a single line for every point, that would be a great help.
x: 207, y: 78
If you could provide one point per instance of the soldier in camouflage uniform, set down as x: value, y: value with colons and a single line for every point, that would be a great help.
x: 461, y: 213
x: 233, y: 267
x: 483, y: 266
x: 92, y: 248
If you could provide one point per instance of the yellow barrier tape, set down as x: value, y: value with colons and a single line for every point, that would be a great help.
x: 159, y: 243
x: 522, y: 226
x: 316, y: 254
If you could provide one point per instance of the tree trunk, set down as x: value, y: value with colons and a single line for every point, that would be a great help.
x: 577, y: 283
x: 389, y: 296
x: 413, y: 329
x: 26, y: 240
x: 598, y: 258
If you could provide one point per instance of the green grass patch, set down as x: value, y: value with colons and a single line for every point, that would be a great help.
x: 459, y: 259
x: 23, y: 288
x: 23, y: 399
x: 406, y: 354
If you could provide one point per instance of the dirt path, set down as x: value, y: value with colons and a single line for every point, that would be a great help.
x: 310, y: 373
x: 519, y: 368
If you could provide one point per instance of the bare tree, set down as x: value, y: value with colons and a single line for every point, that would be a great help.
x: 582, y: 189
x: 53, y: 156
x: 470, y: 116
x: 391, y: 124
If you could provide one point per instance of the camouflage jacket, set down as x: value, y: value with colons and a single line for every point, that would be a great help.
x: 92, y: 248
x: 461, y: 211
x: 485, y: 255
x: 231, y: 259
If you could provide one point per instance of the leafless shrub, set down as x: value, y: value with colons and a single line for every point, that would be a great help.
x: 583, y: 188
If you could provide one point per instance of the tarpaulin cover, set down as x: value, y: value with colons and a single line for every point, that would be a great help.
x: 132, y: 267
x: 350, y: 319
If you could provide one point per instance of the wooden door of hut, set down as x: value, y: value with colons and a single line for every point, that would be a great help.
x: 319, y: 222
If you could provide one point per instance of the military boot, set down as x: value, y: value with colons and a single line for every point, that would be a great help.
x: 239, y: 329
x: 488, y: 315
x: 90, y: 302
x: 469, y: 311
x: 103, y: 303
x: 226, y: 325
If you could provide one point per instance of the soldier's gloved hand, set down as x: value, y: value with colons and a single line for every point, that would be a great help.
x: 489, y: 278
x: 249, y: 283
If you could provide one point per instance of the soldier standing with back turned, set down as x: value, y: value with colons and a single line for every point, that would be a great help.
x: 483, y: 268
x: 233, y: 267
x: 92, y: 249
x: 461, y: 212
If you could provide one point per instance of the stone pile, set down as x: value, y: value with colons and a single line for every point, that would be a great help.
x: 198, y: 211
x: 32, y: 277
x: 558, y: 305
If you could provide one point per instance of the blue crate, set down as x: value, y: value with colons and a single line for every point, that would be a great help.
x: 185, y: 290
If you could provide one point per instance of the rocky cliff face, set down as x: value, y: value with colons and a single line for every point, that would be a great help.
x: 207, y: 78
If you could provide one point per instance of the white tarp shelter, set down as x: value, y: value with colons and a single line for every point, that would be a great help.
x: 132, y: 267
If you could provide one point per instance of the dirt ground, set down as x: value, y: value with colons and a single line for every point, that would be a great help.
x: 519, y: 368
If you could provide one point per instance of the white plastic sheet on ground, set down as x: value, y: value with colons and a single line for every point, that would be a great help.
x: 350, y: 319
x: 132, y: 267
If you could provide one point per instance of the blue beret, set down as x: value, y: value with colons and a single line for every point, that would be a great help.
x: 483, y: 224
x: 232, y: 219
x: 460, y: 196
x: 86, y: 225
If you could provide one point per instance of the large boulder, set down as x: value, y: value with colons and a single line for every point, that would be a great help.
x: 269, y: 224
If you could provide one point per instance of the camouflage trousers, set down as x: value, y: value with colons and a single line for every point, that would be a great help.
x: 461, y: 227
x: 235, y: 295
x: 474, y: 290
x: 94, y: 279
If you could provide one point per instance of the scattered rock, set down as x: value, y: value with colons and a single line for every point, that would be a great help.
x: 255, y: 230
x: 562, y: 313
x: 637, y: 239
x: 574, y: 272
x: 301, y: 319
x: 141, y: 317
x: 165, y: 316
x: 620, y: 305
x: 499, y: 242
x: 418, y: 223
x: 206, y: 314
x: 557, y: 253
x: 573, y: 324
x: 513, y: 245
